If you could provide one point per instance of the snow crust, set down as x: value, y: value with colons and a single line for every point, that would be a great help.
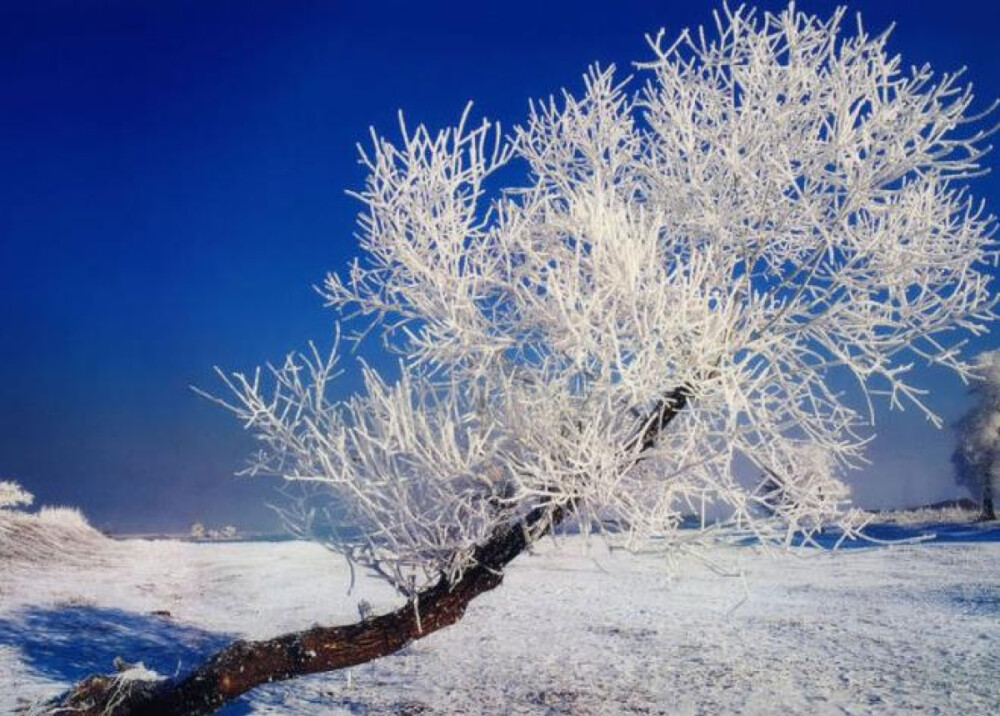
x: 573, y: 630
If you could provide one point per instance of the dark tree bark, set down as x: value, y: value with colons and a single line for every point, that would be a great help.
x: 243, y: 665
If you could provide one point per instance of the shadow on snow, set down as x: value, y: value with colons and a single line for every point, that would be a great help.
x: 71, y: 642
x: 946, y: 532
x: 882, y: 534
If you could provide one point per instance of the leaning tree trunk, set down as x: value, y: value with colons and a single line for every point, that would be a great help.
x: 244, y: 665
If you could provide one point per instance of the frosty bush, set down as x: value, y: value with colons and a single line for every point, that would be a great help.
x: 13, y: 495
x: 68, y: 517
x: 200, y: 532
x: 52, y: 536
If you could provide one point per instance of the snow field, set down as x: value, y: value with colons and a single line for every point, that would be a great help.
x: 574, y: 629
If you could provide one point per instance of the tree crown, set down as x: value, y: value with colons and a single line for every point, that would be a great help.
x: 775, y: 211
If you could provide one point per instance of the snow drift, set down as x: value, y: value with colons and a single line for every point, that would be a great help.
x: 58, y: 535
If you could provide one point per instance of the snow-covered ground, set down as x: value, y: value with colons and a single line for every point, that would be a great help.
x: 574, y: 629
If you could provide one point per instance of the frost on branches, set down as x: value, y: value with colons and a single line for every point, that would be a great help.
x: 763, y: 233
x: 977, y: 458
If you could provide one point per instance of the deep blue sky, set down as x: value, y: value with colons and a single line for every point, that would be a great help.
x: 171, y: 186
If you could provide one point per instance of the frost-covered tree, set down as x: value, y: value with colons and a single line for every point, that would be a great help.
x: 977, y: 457
x: 693, y: 269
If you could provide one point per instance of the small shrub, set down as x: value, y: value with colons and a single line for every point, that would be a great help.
x: 53, y: 535
x: 68, y: 517
x: 13, y: 495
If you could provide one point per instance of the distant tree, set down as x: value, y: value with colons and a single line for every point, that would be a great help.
x: 977, y: 457
x: 675, y: 285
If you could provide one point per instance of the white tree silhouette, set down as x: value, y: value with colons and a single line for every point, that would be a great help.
x: 730, y: 259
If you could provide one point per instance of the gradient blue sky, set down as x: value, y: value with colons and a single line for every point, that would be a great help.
x: 172, y: 179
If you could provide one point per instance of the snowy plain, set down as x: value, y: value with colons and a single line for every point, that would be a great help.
x: 575, y: 628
